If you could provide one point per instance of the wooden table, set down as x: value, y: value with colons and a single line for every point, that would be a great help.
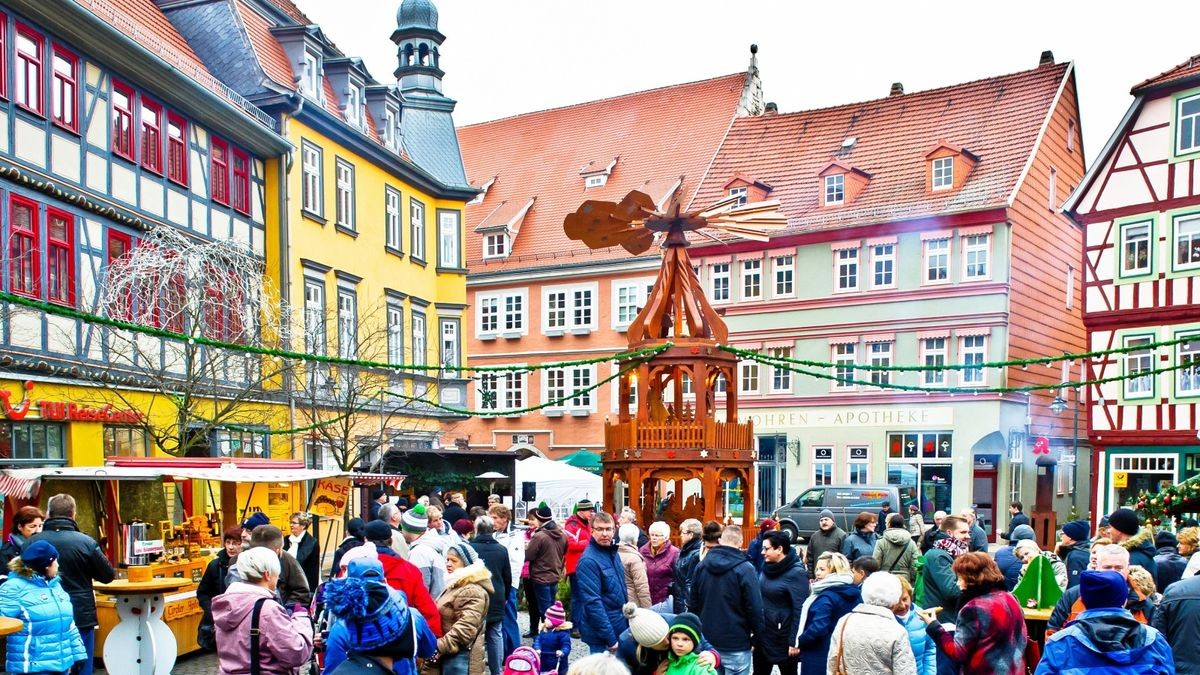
x: 141, y: 643
x: 1035, y: 625
x: 8, y: 625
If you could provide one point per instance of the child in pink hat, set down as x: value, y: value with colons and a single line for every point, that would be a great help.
x: 554, y: 641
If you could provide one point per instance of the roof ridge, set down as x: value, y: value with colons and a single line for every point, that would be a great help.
x: 909, y: 95
x: 615, y: 97
x: 1191, y: 62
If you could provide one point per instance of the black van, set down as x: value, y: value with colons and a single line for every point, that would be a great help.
x: 799, y: 517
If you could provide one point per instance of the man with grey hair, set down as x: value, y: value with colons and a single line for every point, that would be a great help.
x: 391, y: 514
x: 629, y: 517
x: 690, y: 532
x: 934, y: 533
x: 727, y: 598
x: 495, y: 559
x: 80, y: 562
x: 1113, y: 558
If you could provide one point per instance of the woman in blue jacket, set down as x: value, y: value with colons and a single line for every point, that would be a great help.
x: 833, y: 596
x: 48, y: 642
x: 923, y: 648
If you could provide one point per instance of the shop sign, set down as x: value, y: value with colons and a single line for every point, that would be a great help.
x: 874, y: 416
x: 64, y: 411
x: 330, y: 497
x: 522, y: 439
x: 987, y: 462
x: 147, y: 546
x: 1120, y: 479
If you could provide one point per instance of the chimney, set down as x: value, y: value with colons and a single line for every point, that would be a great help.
x: 897, y: 89
x: 771, y: 108
x: 1047, y: 59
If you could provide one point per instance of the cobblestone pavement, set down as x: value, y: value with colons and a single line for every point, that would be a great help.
x: 200, y: 663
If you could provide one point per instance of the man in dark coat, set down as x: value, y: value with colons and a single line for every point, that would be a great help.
x: 685, y: 565
x: 80, y: 562
x: 545, y: 552
x: 1075, y: 549
x: 1016, y: 518
x: 727, y: 598
x: 600, y: 590
x: 828, y: 537
x: 1127, y: 531
x: 1008, y: 561
x: 979, y: 540
x: 1178, y: 617
x: 378, y: 499
x: 941, y: 583
x: 354, y: 537
x: 495, y: 559
x: 456, y: 508
x: 1170, y: 563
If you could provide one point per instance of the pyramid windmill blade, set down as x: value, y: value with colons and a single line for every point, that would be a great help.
x: 720, y: 207
x: 770, y: 220
x: 743, y: 232
x: 755, y: 207
x: 638, y: 241
x: 636, y: 205
x: 592, y: 219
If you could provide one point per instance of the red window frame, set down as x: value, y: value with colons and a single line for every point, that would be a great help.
x: 152, y: 137
x: 240, y: 171
x: 24, y: 275
x: 60, y: 259
x: 122, y: 122
x: 64, y: 90
x: 177, y: 150
x: 119, y: 241
x: 219, y: 164
x: 4, y: 56
x: 30, y: 97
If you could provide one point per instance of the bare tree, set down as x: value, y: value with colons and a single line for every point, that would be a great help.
x: 201, y: 289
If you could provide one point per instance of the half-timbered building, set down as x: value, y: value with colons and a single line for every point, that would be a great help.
x: 1139, y: 206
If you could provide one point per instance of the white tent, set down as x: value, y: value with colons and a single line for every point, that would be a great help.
x: 559, y: 485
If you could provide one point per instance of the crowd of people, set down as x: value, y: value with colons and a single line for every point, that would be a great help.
x: 412, y: 590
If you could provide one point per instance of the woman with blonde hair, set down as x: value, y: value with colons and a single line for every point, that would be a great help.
x: 833, y: 596
x: 924, y: 651
x: 1027, y: 550
x: 1189, y: 541
x: 303, y: 547
x: 1143, y: 581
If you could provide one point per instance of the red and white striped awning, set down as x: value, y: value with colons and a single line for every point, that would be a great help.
x: 17, y: 487
x: 392, y: 480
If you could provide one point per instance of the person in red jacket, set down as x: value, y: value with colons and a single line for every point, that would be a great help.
x: 403, y: 575
x: 578, y: 529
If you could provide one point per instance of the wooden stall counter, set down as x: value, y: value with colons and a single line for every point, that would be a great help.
x: 9, y: 625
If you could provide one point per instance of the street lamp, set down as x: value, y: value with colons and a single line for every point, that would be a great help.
x: 1059, y: 404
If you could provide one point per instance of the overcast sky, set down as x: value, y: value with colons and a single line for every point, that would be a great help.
x: 504, y: 57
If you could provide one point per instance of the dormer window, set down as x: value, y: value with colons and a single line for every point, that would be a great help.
x: 835, y: 189
x: 311, y: 82
x: 354, y: 105
x: 595, y: 173
x: 495, y: 245
x: 390, y: 136
x: 483, y: 190
x: 740, y: 193
x: 595, y: 181
x: 943, y: 173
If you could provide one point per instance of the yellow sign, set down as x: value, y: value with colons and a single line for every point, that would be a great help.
x: 1120, y: 479
x: 330, y: 497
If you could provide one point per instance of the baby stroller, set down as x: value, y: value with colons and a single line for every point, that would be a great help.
x: 524, y: 661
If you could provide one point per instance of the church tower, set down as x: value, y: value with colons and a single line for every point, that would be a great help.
x: 418, y: 47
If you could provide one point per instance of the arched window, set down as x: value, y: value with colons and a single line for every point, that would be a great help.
x: 408, y: 55
x: 424, y: 54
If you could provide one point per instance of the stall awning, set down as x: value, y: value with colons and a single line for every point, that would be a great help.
x: 390, y: 479
x: 231, y: 472
x: 18, y: 488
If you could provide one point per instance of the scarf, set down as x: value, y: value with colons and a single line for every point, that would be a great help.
x: 951, y: 545
x: 777, y: 568
x: 822, y: 585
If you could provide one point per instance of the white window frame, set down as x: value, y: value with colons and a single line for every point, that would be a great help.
x: 1145, y: 363
x: 942, y: 173
x: 883, y: 262
x: 354, y: 98
x: 574, y: 378
x: 395, y: 333
x: 420, y: 336
x: 416, y: 225
x: 572, y: 309
x: 972, y: 350
x: 515, y: 385
x: 1144, y: 239
x: 487, y: 313
x: 749, y: 373
x: 347, y: 319
x: 393, y: 233
x: 863, y: 464
x: 843, y: 355
x: 495, y: 245
x: 595, y: 181
x: 720, y: 271
x: 846, y: 266
x: 977, y: 248
x: 450, y: 345
x: 510, y: 321
x: 449, y: 238
x: 615, y: 393
x: 935, y: 351
x: 1191, y: 121
x: 742, y: 193
x: 828, y: 479
x: 933, y: 251
x: 1192, y: 238
x: 311, y: 84
x: 752, y: 271
x: 344, y: 215
x: 834, y: 189
x: 784, y: 273
x: 628, y: 297
x: 781, y: 378
x: 316, y: 339
x: 1187, y: 352
x: 311, y: 165
x: 881, y: 353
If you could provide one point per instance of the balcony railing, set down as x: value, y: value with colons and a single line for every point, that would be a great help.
x: 681, y: 435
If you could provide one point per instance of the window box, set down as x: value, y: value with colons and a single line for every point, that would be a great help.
x: 580, y: 331
x: 554, y: 332
x: 486, y: 337
x: 552, y: 412
x: 511, y: 335
x: 580, y: 412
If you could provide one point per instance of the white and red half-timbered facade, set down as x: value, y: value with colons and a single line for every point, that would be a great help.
x: 1139, y: 206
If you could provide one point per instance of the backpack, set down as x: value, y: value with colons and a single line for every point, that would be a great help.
x: 919, y: 580
x: 523, y: 661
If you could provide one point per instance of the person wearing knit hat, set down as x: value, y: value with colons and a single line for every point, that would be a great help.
x: 255, y: 519
x: 754, y: 552
x: 542, y: 512
x: 426, y: 548
x: 553, y: 641
x: 828, y: 538
x: 373, y: 623
x: 463, y: 606
x: 1170, y: 563
x: 1127, y: 531
x: 1075, y: 549
x: 48, y: 640
x: 414, y: 521
x: 645, y: 644
x: 684, y: 638
x: 1106, y: 638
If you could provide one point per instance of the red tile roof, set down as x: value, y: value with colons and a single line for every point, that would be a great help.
x: 1183, y: 71
x: 997, y: 118
x: 290, y: 8
x: 658, y: 135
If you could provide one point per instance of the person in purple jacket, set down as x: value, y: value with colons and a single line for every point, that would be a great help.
x: 660, y: 555
x: 285, y: 641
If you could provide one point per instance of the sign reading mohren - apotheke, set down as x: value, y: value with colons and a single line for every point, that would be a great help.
x: 881, y: 416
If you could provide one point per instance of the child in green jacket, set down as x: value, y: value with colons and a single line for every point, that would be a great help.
x: 685, y: 645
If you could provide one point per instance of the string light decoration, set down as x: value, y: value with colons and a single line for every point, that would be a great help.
x: 1170, y: 503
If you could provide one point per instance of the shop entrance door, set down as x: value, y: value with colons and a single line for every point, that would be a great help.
x: 983, y: 496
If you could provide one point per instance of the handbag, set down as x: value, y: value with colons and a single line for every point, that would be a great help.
x: 255, y: 643
x: 841, y: 665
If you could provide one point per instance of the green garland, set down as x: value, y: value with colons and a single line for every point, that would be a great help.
x: 1171, y: 503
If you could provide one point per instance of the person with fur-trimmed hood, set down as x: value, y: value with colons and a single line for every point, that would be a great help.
x: 48, y: 640
x: 463, y: 607
x: 1127, y: 531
